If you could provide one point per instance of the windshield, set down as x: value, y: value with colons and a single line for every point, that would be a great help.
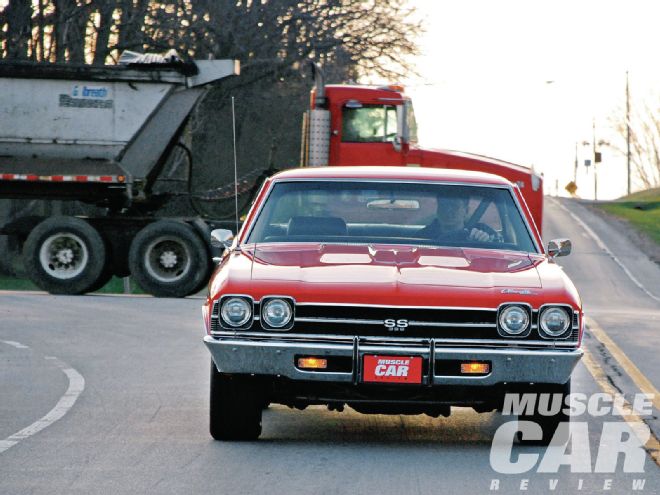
x: 411, y: 122
x: 369, y: 124
x: 332, y: 211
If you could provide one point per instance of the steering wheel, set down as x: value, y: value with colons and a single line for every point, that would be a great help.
x: 495, y: 235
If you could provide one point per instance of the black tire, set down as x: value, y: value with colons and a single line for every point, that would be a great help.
x: 548, y: 424
x: 168, y: 259
x: 107, y: 273
x: 65, y: 255
x: 205, y: 279
x: 235, y: 407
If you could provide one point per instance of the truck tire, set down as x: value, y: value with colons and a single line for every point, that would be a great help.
x: 235, y: 407
x: 548, y: 424
x: 65, y: 255
x: 168, y: 259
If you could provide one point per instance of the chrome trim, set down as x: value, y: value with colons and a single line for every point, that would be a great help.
x: 382, y: 322
x: 458, y: 308
x: 568, y: 332
x: 449, y: 325
x: 221, y: 321
x: 339, y: 320
x: 509, y: 187
x: 520, y: 335
x: 278, y: 359
x: 394, y: 340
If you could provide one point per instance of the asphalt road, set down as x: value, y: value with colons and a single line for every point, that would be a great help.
x: 109, y: 395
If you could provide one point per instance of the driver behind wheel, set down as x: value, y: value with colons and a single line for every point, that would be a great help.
x: 450, y: 223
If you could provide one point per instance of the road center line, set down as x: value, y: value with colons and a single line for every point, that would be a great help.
x: 66, y: 402
x: 604, y: 247
x: 643, y: 383
x: 652, y: 445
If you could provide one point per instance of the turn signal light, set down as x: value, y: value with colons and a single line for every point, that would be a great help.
x: 312, y: 363
x: 475, y: 368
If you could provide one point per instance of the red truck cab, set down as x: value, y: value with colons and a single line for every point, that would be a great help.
x: 363, y: 125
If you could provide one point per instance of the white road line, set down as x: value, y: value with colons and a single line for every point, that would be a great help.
x: 602, y: 246
x: 13, y: 343
x: 66, y: 402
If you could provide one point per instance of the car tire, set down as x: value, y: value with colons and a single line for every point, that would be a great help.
x: 168, y: 259
x: 235, y: 407
x: 548, y: 424
x: 65, y: 255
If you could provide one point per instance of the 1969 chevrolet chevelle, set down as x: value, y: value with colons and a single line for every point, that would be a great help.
x: 390, y: 290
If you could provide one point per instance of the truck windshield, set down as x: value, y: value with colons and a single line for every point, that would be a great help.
x: 411, y: 122
x: 369, y: 124
x: 332, y: 211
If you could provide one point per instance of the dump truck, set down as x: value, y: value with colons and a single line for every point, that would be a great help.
x: 102, y: 135
x: 367, y: 125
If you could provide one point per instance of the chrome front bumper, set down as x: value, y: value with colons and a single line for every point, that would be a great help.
x: 277, y: 357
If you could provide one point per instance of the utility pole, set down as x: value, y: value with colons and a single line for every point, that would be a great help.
x: 575, y: 168
x: 593, y: 141
x: 628, y: 130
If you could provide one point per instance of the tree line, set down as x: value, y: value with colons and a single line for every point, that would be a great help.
x: 273, y: 40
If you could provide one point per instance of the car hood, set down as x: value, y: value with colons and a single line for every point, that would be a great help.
x: 382, y: 274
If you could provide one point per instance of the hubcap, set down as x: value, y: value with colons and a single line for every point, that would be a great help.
x: 167, y: 259
x: 63, y: 256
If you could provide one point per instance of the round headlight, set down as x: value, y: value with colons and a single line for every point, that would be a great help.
x: 236, y: 311
x: 514, y: 320
x: 555, y: 321
x: 277, y: 313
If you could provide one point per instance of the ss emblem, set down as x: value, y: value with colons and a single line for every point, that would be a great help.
x: 396, y: 325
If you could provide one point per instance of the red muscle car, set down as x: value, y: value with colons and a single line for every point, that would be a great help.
x: 390, y: 290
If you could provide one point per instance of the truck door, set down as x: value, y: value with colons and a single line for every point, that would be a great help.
x: 365, y: 135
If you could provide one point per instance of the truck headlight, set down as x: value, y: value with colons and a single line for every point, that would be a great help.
x: 514, y: 320
x: 277, y: 313
x: 554, y: 321
x: 236, y: 311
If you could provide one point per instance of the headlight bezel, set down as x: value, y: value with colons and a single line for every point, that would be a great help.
x: 527, y: 309
x: 566, y: 333
x: 290, y: 301
x: 248, y: 321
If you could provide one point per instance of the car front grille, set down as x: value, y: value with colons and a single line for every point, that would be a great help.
x: 450, y: 324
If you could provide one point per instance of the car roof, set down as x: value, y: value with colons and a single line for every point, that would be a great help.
x: 392, y: 173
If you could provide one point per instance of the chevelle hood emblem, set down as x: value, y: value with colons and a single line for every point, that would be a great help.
x: 517, y: 291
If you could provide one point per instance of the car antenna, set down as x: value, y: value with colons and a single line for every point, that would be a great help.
x: 233, y: 122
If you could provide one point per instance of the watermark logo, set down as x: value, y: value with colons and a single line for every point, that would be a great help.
x: 623, y: 436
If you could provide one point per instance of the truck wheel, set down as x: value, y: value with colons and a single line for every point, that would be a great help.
x: 64, y: 255
x: 168, y: 259
x: 235, y: 409
x: 548, y: 424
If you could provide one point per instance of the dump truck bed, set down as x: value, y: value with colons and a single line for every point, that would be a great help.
x: 111, y: 125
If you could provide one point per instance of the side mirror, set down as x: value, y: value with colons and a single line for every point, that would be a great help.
x: 396, y: 143
x: 559, y: 247
x: 401, y: 130
x: 221, y: 238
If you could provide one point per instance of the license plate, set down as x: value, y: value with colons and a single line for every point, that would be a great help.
x: 392, y: 369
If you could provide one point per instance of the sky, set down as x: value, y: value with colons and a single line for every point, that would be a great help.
x: 524, y: 80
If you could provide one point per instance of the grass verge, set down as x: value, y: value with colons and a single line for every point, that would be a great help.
x: 641, y: 209
x: 114, y: 286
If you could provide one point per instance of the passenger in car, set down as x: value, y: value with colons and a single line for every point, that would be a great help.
x: 450, y: 223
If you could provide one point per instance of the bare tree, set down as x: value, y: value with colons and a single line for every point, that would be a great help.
x: 644, y: 125
x: 18, y: 17
x: 273, y: 40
